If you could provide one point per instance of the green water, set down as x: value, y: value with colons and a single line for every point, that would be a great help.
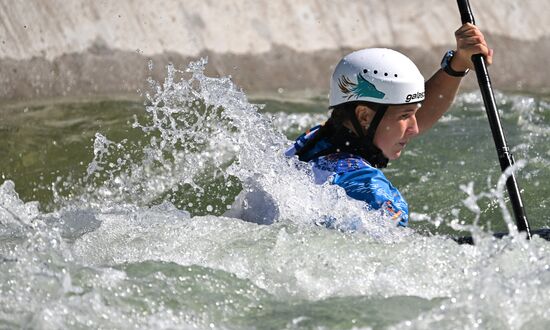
x: 42, y: 144
x: 128, y: 231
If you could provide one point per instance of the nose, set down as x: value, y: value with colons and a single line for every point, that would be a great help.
x: 412, y: 127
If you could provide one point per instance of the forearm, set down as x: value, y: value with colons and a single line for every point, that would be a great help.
x: 441, y: 90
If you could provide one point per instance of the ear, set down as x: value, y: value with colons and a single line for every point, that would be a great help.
x: 364, y: 115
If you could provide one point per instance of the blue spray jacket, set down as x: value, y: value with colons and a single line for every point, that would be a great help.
x: 359, y: 179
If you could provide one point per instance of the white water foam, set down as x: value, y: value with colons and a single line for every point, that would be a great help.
x: 121, y: 255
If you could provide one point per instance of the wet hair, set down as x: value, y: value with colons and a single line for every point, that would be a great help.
x: 343, y: 139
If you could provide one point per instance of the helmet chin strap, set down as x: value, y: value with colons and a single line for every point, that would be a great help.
x: 373, y: 154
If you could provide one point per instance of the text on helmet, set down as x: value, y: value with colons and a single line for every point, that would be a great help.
x: 418, y: 95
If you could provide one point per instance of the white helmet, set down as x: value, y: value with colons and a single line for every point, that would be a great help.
x: 376, y: 75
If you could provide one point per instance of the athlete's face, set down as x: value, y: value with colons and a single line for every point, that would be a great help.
x: 396, y: 128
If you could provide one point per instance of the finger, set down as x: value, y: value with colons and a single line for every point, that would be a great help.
x: 474, y: 40
x: 470, y: 41
x: 469, y: 33
x: 466, y: 27
x: 489, y: 57
x: 478, y: 49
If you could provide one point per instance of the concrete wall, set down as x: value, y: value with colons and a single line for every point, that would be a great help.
x: 79, y: 47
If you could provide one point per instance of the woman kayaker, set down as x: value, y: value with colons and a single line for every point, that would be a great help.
x: 379, y: 102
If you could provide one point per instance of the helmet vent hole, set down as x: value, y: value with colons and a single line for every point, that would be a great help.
x: 386, y: 74
x: 375, y: 71
x: 395, y: 75
x: 365, y: 71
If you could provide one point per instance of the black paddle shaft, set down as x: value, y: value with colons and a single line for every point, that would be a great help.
x: 504, y: 155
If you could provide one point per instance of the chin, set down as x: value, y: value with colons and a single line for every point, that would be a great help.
x: 393, y: 156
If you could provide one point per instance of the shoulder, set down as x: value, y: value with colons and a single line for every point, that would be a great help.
x: 333, y: 166
x: 364, y: 179
x: 369, y: 184
x: 341, y: 163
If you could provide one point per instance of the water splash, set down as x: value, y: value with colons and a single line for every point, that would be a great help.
x: 203, y: 138
x: 123, y: 254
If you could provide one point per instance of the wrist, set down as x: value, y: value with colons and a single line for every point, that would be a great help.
x: 458, y: 64
x: 458, y: 67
